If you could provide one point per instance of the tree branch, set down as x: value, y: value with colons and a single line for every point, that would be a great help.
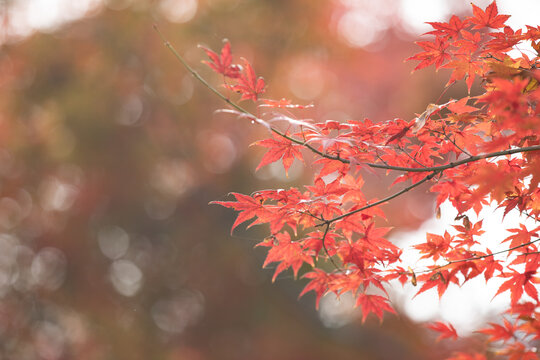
x: 388, y: 198
x: 325, y: 249
x: 331, y: 157
x: 478, y: 257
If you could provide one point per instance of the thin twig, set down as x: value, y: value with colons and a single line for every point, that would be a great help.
x: 325, y: 249
x: 388, y: 198
x: 411, y: 157
x: 478, y: 257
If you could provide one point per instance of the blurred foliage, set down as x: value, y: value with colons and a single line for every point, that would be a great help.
x: 109, y: 156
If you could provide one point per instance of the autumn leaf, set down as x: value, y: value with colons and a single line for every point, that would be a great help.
x: 460, y: 106
x: 222, y: 63
x: 521, y: 236
x: 435, y: 53
x: 279, y: 148
x: 450, y: 29
x: 373, y: 304
x: 488, y: 18
x: 498, y: 332
x: 447, y: 331
x: 435, y: 246
x: 518, y: 282
x: 247, y: 206
x: 285, y: 252
x: 248, y: 84
x: 464, y: 66
x: 318, y: 283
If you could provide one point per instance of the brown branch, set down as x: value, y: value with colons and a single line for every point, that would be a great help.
x: 460, y: 162
x: 388, y: 198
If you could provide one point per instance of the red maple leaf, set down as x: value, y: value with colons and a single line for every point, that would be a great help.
x: 435, y: 246
x: 319, y: 283
x: 521, y: 236
x: 488, y: 18
x: 222, y: 64
x: 279, y: 148
x: 373, y: 304
x: 450, y: 29
x: 518, y: 282
x: 465, y: 66
x: 248, y: 84
x: 490, y: 265
x: 498, y: 332
x: 460, y: 106
x: 247, y: 206
x: 286, y: 252
x: 446, y: 331
x: 435, y: 53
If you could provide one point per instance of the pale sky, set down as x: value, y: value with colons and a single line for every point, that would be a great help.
x: 360, y: 24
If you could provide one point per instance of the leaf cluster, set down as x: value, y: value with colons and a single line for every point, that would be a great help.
x: 471, y: 152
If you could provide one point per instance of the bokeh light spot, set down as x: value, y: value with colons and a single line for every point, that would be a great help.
x: 49, y: 340
x: 126, y: 277
x: 113, y: 242
x: 178, y: 11
x: 307, y: 78
x: 49, y: 268
x: 174, y: 314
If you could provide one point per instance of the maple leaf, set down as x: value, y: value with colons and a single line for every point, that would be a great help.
x: 247, y: 206
x: 318, y: 283
x: 460, y: 106
x: 248, y: 84
x: 464, y: 66
x: 315, y: 243
x: 279, y: 148
x: 353, y: 253
x: 435, y: 246
x: 446, y: 331
x: 435, y: 53
x: 490, y: 265
x: 518, y: 351
x: 521, y: 236
x: 517, y: 282
x: 498, y: 332
x: 450, y: 29
x: 287, y: 253
x: 222, y: 63
x: 373, y: 304
x: 488, y: 18
x: 439, y: 279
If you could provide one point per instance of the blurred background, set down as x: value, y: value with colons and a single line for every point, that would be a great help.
x: 110, y: 153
